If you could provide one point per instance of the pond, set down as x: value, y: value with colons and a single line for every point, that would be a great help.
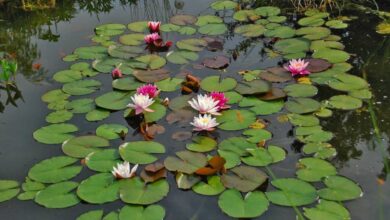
x: 290, y: 141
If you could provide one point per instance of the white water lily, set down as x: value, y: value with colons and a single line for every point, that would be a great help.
x: 205, y: 104
x: 123, y: 171
x: 204, y: 123
x: 141, y: 103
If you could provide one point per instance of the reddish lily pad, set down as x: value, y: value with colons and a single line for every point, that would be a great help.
x: 151, y: 76
x: 218, y: 62
x: 318, y: 65
x: 183, y: 19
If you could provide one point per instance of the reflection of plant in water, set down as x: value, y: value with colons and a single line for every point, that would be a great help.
x: 13, y: 94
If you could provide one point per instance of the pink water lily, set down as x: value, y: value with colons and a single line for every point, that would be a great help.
x: 116, y: 73
x: 141, y: 103
x: 204, y: 123
x: 297, y: 67
x: 123, y: 171
x: 221, y: 99
x: 205, y: 104
x: 154, y: 26
x: 152, y: 38
x: 149, y: 90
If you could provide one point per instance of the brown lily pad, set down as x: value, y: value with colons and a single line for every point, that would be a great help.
x: 218, y: 62
x: 181, y: 116
x: 215, y: 164
x: 153, y: 172
x: 183, y: 19
x: 213, y: 44
x: 318, y: 65
x: 181, y: 135
x: 244, y: 178
x: 273, y: 94
x: 151, y: 76
x: 276, y: 74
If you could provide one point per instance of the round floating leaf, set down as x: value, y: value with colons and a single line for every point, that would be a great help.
x: 183, y: 19
x: 303, y: 120
x: 300, y: 90
x: 347, y: 82
x: 267, y: 11
x: 223, y: 5
x: 320, y: 150
x: 218, y: 62
x: 250, y: 30
x: 293, y: 192
x: 80, y: 147
x: 280, y: 32
x: 340, y: 189
x: 208, y: 19
x: 169, y: 84
x: 187, y: 30
x: 257, y: 135
x: 126, y: 84
x: 138, y: 26
x: 80, y: 105
x: 252, y: 205
x: 8, y: 189
x: 313, y: 33
x: 81, y: 87
x: 141, y: 152
x: 313, y: 21
x: 213, y: 186
x: 169, y: 27
x: 245, y: 15
x: 54, y: 170
x: 215, y: 83
x: 277, y: 19
x: 114, y: 100
x: 91, y: 215
x: 103, y: 161
x: 361, y: 94
x: 302, y: 105
x: 234, y: 97
x: 344, y: 102
x: 293, y: 45
x: 152, y: 61
x: 383, y: 28
x: 258, y: 157
x: 152, y: 212
x: 327, y: 210
x: 253, y: 87
x: 192, y: 44
x: 331, y: 55
x: 108, y: 64
x: 58, y: 195
x: 59, y: 116
x: 159, y: 112
x: 55, y: 133
x: 187, y: 162
x: 232, y: 120
x: 111, y: 131
x: 92, y: 52
x: 135, y: 191
x: 202, y: 144
x: 182, y: 57
x: 313, y: 169
x: 54, y: 96
x: 336, y: 24
x: 99, y: 188
x: 110, y: 29
x: 185, y: 181
x: 277, y: 153
x: 132, y: 39
x: 66, y: 76
x: 97, y: 115
x: 244, y: 178
x: 260, y: 107
x: 213, y: 29
x: 57, y: 105
x: 124, y: 52
x: 151, y: 76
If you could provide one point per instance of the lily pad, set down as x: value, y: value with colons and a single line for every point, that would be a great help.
x: 313, y: 169
x: 213, y: 186
x: 253, y: 87
x: 292, y: 46
x: 331, y: 55
x: 223, y: 5
x: 245, y: 15
x: 218, y: 62
x: 91, y: 215
x: 327, y: 210
x: 215, y: 83
x: 232, y: 120
x: 347, y: 82
x: 182, y: 57
x: 169, y: 84
x: 79, y: 106
x: 336, y: 24
x: 111, y: 131
x: 138, y: 26
x: 244, y: 178
x: 152, y: 61
x: 114, y: 100
x: 80, y: 147
x: 97, y: 115
x: 260, y: 107
x: 202, y: 144
x: 320, y: 150
x: 66, y: 76
x: 54, y: 96
x: 152, y: 212
x: 208, y: 19
x: 250, y: 30
x: 183, y: 19
x: 8, y: 189
x: 81, y: 87
x: 55, y: 133
x: 132, y: 39
x: 151, y: 76
x: 340, y: 188
x: 302, y: 105
x: 281, y: 32
x: 126, y: 84
x: 90, y: 53
x: 267, y: 11
x: 300, y: 90
x: 110, y: 29
x: 186, y: 162
x: 59, y: 116
x: 140, y: 152
x: 124, y: 52
x: 192, y: 44
x: 58, y: 195
x: 185, y: 181
x: 303, y: 120
x: 99, y: 188
x: 135, y: 191
x: 213, y: 29
x: 103, y: 161
x: 344, y: 102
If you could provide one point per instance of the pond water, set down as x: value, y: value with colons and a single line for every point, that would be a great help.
x: 361, y: 137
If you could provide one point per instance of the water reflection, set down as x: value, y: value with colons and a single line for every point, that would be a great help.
x: 9, y: 94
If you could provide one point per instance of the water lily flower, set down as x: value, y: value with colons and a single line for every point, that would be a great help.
x: 151, y: 38
x: 154, y: 26
x: 205, y: 105
x: 149, y: 90
x: 141, y: 103
x: 204, y: 123
x: 123, y: 171
x: 297, y: 67
x: 221, y: 99
x: 116, y: 73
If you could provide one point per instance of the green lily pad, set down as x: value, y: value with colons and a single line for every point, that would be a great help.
x: 234, y: 97
x: 108, y: 64
x: 245, y: 15
x: 202, y: 144
x: 293, y: 192
x: 80, y: 147
x: 66, y: 76
x: 281, y: 32
x: 91, y: 215
x: 152, y: 212
x: 347, y: 82
x: 340, y: 188
x: 135, y: 191
x: 361, y: 94
x: 138, y: 26
x: 336, y: 24
x: 192, y: 44
x: 250, y: 30
x: 331, y: 55
x: 110, y: 29
x: 327, y: 210
x: 213, y: 29
x: 54, y: 96
x: 313, y: 33
x: 111, y: 131
x: 169, y: 84
x: 232, y: 120
x: 277, y: 19
x: 223, y: 5
x: 140, y: 152
x: 300, y: 90
x: 79, y: 106
x: 55, y: 133
x: 258, y: 157
x: 126, y: 84
x: 320, y: 150
x: 103, y: 161
x: 124, y: 52
x: 233, y: 148
x: 81, y: 87
x: 59, y: 116
x: 185, y: 181
x: 158, y: 113
x: 97, y: 115
x: 260, y: 107
x: 8, y: 189
x: 313, y: 169
x: 267, y: 11
x: 90, y: 53
x: 321, y: 136
x: 253, y: 87
x: 303, y: 120
x: 213, y: 186
x: 99, y: 188
x: 132, y: 39
x: 58, y: 195
x: 169, y: 27
x: 302, y: 105
x: 252, y: 205
x: 244, y: 178
x: 257, y: 135
x: 312, y: 21
x: 344, y: 102
x: 208, y: 19
x: 114, y: 100
x: 183, y: 19
x: 182, y: 57
x: 215, y: 83
x: 186, y: 162
x: 54, y: 170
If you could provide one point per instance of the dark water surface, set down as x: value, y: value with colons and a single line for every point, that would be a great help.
x: 46, y: 36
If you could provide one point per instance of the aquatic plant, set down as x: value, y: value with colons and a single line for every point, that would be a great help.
x: 123, y: 171
x: 204, y: 123
x: 205, y: 104
x: 297, y: 67
x: 141, y: 103
x: 8, y: 71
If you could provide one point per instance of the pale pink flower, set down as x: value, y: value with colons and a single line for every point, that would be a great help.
x: 204, y: 123
x: 149, y: 90
x: 141, y: 103
x: 151, y: 38
x: 154, y: 26
x: 297, y: 67
x: 205, y: 105
x: 221, y: 99
x: 116, y: 73
x: 123, y: 171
